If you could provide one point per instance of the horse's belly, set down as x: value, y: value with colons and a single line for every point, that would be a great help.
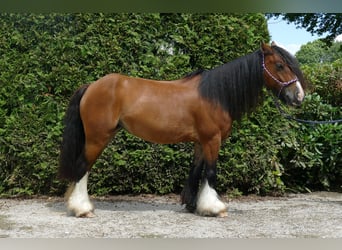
x: 159, y: 130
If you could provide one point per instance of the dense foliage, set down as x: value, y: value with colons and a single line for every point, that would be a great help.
x: 45, y: 58
x: 315, y: 158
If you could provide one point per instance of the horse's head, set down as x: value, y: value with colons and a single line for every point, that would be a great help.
x: 282, y: 74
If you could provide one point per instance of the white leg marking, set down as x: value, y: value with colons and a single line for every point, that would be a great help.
x: 209, y: 203
x: 78, y: 201
x: 300, y: 94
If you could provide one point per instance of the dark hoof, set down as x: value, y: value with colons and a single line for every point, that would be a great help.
x: 190, y: 208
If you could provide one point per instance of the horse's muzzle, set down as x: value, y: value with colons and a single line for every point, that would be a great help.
x: 294, y: 94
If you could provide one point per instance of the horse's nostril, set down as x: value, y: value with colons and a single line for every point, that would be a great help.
x: 299, y: 96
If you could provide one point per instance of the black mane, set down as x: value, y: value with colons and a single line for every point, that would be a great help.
x: 236, y: 86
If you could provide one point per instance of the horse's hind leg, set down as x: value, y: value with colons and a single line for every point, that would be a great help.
x: 78, y: 201
x: 190, y: 190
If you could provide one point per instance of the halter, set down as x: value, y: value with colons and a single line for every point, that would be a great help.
x: 283, y: 84
x: 277, y: 104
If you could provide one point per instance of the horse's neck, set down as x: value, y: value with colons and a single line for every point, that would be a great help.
x: 236, y: 85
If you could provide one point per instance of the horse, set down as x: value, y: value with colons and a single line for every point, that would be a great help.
x: 198, y: 108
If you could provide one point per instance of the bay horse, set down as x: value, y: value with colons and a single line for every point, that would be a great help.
x: 198, y: 108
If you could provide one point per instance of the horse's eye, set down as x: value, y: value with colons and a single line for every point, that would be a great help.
x: 279, y: 66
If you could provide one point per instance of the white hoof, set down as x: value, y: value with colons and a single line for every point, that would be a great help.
x: 78, y: 202
x: 209, y: 203
x: 82, y: 209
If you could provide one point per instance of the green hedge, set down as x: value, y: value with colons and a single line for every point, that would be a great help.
x: 45, y: 58
x: 313, y: 154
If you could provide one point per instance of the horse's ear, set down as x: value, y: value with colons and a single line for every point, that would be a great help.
x: 266, y: 49
x: 262, y: 44
x: 273, y: 43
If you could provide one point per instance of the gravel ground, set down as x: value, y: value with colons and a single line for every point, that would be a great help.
x: 315, y: 215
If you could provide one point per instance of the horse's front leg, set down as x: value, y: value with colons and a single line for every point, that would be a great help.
x: 208, y: 201
x: 78, y: 202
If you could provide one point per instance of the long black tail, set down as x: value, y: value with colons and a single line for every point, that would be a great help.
x: 72, y: 162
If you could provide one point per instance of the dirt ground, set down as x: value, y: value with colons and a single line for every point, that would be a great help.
x: 315, y: 215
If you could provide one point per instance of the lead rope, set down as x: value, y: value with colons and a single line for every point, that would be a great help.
x: 290, y: 117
